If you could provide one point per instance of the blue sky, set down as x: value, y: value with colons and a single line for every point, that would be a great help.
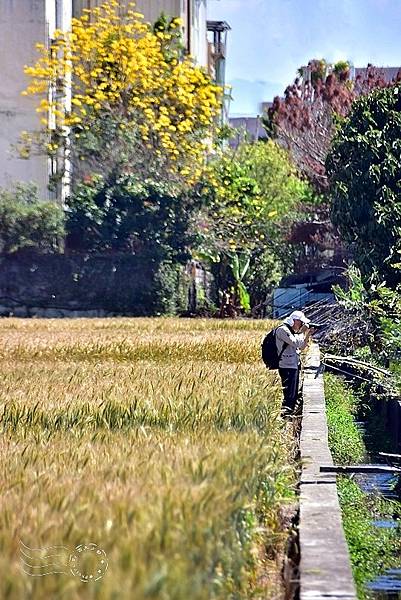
x: 270, y: 39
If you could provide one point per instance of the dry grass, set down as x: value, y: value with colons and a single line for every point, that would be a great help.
x: 157, y: 439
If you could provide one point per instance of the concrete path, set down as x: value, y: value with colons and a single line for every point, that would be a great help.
x: 325, y: 569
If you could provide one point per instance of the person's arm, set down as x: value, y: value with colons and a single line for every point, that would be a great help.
x: 295, y: 340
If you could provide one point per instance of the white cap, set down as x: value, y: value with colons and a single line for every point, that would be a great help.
x: 299, y: 316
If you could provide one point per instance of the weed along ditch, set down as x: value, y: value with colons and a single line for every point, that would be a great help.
x: 364, y: 438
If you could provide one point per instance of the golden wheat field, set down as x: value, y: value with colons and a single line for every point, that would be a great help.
x: 157, y: 440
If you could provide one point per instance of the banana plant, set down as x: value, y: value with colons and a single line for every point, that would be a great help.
x: 239, y: 267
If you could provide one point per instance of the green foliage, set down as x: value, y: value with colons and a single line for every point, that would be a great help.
x: 267, y: 270
x: 356, y: 294
x: 380, y: 307
x: 280, y: 188
x: 239, y: 269
x: 364, y: 165
x: 170, y: 291
x: 373, y: 549
x: 108, y: 147
x: 27, y: 222
x: 232, y: 196
x: 145, y: 218
x: 253, y: 196
x: 131, y: 215
x: 384, y: 308
x: 341, y: 67
x: 172, y: 42
x: 345, y: 439
x: 250, y: 192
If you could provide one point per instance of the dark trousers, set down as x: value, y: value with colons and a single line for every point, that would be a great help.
x: 290, y: 381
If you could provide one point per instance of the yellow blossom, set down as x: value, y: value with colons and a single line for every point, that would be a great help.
x: 116, y: 63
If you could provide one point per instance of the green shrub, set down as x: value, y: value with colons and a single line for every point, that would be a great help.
x: 170, y: 289
x: 345, y: 439
x: 373, y: 549
x: 27, y: 222
x: 132, y: 215
x: 363, y: 166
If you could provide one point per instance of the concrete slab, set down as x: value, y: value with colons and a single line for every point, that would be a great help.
x: 325, y: 568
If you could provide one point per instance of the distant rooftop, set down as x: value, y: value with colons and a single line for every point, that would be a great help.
x: 218, y: 26
x: 248, y: 128
x: 388, y: 73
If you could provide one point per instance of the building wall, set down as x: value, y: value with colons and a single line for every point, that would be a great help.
x: 199, y: 43
x: 247, y: 129
x: 151, y: 9
x: 22, y: 24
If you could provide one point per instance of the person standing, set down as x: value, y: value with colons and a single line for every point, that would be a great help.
x: 291, y: 337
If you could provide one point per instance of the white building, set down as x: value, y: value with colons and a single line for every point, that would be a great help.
x: 23, y: 23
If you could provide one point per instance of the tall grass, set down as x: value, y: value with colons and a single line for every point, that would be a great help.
x: 345, y: 439
x: 159, y: 440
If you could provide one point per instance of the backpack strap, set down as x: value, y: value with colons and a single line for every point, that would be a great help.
x: 285, y: 344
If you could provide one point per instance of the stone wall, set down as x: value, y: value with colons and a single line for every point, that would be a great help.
x: 57, y: 285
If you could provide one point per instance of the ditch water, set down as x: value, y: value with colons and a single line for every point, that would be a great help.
x: 386, y: 586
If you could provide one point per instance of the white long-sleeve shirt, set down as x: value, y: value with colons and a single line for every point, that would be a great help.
x: 290, y: 358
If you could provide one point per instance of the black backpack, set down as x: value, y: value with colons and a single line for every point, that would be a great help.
x: 270, y: 355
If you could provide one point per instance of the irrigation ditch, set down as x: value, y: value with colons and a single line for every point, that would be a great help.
x: 350, y: 487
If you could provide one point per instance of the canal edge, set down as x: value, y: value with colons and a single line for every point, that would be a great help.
x: 325, y: 566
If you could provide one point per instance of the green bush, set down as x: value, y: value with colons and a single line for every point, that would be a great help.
x: 373, y: 549
x: 364, y: 169
x: 170, y: 290
x: 131, y: 215
x: 345, y: 439
x: 27, y: 222
x: 253, y: 196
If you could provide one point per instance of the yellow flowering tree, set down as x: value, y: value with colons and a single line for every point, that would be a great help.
x: 137, y: 104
